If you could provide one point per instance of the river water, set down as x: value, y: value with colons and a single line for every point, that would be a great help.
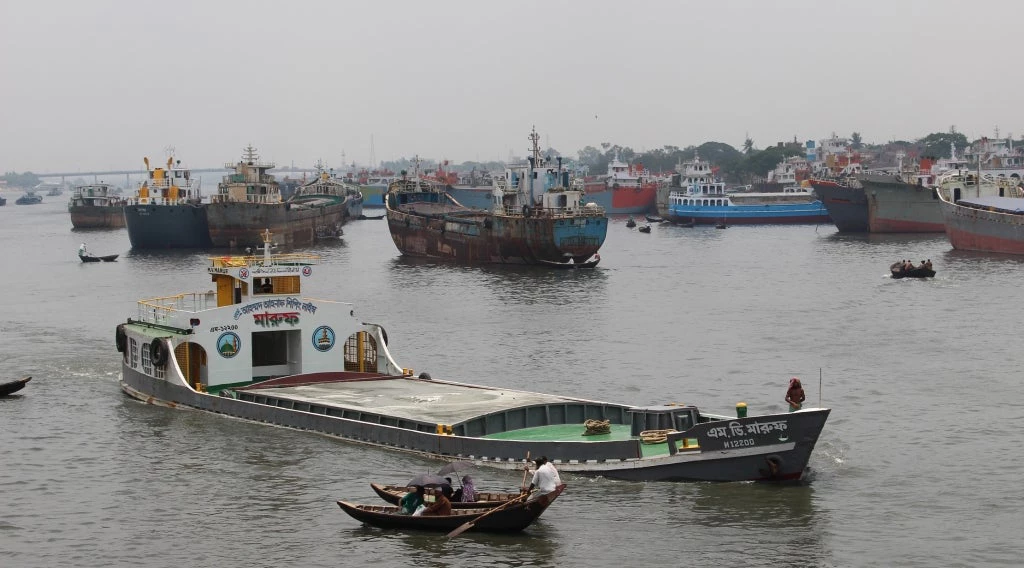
x: 917, y: 466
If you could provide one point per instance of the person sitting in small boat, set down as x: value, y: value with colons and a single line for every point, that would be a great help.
x: 466, y: 493
x: 928, y: 264
x: 82, y: 250
x: 795, y: 395
x: 412, y: 500
x: 442, y: 505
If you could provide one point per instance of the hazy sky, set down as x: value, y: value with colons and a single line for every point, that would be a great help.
x: 100, y: 84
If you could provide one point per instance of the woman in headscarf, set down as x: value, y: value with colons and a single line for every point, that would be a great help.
x: 795, y: 395
x: 468, y: 490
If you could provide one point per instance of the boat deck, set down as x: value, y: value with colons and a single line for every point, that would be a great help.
x: 414, y: 399
x: 574, y: 433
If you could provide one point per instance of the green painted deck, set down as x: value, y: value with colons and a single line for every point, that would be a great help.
x: 574, y: 433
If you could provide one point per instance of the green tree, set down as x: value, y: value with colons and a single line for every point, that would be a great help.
x: 937, y: 144
x: 855, y: 141
x: 748, y: 146
x: 25, y: 180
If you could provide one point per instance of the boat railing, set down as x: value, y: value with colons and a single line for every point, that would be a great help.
x: 158, y: 201
x: 160, y: 310
x: 283, y: 259
x: 590, y: 209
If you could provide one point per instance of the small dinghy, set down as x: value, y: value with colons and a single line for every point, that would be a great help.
x: 13, y: 386
x: 589, y: 263
x: 631, y: 223
x: 91, y: 258
x: 906, y: 269
x: 653, y: 219
x: 512, y: 516
x: 644, y: 229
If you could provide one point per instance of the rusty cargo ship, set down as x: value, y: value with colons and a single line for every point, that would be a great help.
x: 537, y: 216
x: 96, y: 206
x: 249, y: 202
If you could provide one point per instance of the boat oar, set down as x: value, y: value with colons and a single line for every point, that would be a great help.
x: 468, y: 525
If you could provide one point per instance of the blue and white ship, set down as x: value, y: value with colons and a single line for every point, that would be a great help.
x: 707, y: 203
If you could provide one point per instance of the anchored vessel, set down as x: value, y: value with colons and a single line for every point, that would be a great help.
x: 624, y: 189
x: 30, y: 198
x: 258, y: 348
x: 845, y: 202
x: 708, y: 203
x: 167, y: 210
x: 537, y: 216
x: 96, y: 207
x: 249, y: 201
x: 982, y: 215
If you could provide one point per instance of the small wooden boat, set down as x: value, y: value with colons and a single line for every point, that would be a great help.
x: 922, y: 271
x: 644, y: 229
x: 721, y: 225
x: 91, y: 258
x: 653, y: 219
x: 393, y: 493
x: 507, y: 517
x: 13, y: 386
x: 631, y: 223
x: 589, y: 263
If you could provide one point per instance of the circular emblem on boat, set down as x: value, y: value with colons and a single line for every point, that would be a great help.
x: 323, y: 338
x: 228, y: 344
x: 243, y: 273
x: 307, y: 270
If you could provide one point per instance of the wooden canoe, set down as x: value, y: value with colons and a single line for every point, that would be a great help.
x: 484, y: 500
x: 512, y: 518
x: 13, y: 386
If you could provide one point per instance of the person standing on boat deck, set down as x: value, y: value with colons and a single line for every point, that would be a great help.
x: 795, y: 395
x: 411, y: 500
x: 545, y: 479
x: 443, y: 505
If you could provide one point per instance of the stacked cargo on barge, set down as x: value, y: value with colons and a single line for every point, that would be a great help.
x: 167, y: 210
x: 249, y: 201
x: 537, y: 216
x: 260, y: 347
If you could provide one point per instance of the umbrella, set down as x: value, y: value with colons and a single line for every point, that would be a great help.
x: 455, y: 467
x: 427, y: 479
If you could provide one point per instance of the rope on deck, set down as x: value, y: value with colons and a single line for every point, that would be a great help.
x: 594, y: 427
x: 655, y: 436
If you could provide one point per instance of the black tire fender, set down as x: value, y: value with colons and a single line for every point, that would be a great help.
x: 121, y: 338
x: 158, y: 351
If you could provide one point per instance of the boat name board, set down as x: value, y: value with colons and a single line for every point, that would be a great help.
x: 737, y: 430
x: 293, y: 303
x: 744, y: 434
x: 267, y: 319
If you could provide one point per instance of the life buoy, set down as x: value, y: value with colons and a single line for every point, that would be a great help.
x: 121, y: 338
x: 158, y: 351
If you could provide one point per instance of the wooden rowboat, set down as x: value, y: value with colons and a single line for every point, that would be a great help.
x: 91, y: 258
x: 393, y: 493
x: 510, y: 518
x: 13, y: 386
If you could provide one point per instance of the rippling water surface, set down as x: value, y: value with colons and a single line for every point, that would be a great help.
x: 917, y: 466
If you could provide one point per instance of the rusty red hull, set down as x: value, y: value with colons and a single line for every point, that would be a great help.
x: 97, y: 216
x: 240, y: 224
x: 487, y: 238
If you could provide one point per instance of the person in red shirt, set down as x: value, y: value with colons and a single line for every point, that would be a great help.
x: 795, y: 395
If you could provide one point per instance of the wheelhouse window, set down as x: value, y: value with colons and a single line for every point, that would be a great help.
x: 133, y: 346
